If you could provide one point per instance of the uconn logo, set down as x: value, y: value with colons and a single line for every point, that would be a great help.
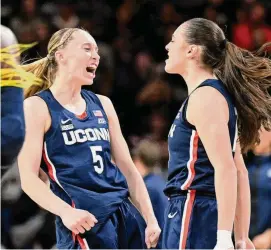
x: 83, y: 135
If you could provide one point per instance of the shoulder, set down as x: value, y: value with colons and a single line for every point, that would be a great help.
x: 35, y: 103
x: 209, y: 102
x: 104, y: 100
x: 36, y: 109
x: 107, y: 105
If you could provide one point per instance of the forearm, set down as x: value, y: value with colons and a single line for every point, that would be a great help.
x: 226, y: 193
x: 39, y: 192
x: 140, y: 196
x: 242, y: 214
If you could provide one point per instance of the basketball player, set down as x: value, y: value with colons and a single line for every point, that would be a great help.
x: 208, y: 183
x: 12, y: 116
x: 70, y: 133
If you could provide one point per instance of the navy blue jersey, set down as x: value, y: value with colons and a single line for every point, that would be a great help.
x: 189, y: 167
x: 12, y: 124
x: 259, y: 169
x: 77, y: 158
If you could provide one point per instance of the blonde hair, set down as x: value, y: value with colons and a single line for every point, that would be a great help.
x: 12, y: 74
x: 45, y: 68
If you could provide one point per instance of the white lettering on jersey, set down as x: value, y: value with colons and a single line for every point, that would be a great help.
x: 67, y: 127
x: 83, y: 135
x: 171, y: 131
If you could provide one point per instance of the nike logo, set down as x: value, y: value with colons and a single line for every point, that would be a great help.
x: 172, y: 215
x: 64, y: 122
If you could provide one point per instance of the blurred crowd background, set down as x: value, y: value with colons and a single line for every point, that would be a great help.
x: 131, y: 35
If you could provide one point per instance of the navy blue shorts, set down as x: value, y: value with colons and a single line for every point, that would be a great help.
x: 190, y: 222
x: 124, y: 229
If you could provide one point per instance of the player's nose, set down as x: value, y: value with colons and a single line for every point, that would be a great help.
x: 167, y: 47
x: 95, y: 55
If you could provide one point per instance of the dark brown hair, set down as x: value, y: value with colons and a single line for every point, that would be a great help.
x: 247, y: 76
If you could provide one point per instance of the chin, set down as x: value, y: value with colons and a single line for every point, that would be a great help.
x: 87, y: 81
x: 168, y: 69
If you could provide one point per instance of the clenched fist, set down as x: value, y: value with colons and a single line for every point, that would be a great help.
x: 152, y: 234
x: 77, y: 220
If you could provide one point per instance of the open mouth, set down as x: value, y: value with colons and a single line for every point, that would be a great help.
x: 91, y: 70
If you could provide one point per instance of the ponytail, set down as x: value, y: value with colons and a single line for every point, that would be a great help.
x: 247, y: 76
x: 42, y: 69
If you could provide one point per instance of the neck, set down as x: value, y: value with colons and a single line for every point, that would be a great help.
x: 67, y: 92
x: 193, y: 80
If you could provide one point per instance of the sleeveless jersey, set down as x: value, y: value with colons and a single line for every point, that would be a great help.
x: 189, y: 167
x: 77, y: 158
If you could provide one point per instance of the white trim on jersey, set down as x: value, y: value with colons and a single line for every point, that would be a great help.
x: 186, y: 218
x: 52, y: 166
x: 86, y: 243
x: 189, y: 165
x: 236, y: 132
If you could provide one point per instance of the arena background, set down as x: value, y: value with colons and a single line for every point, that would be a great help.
x: 131, y: 35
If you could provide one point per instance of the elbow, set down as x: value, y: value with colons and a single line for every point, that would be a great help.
x: 227, y: 170
x: 242, y: 171
x: 23, y: 185
x: 26, y: 184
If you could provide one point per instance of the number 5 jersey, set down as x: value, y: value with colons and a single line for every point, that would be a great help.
x: 77, y: 158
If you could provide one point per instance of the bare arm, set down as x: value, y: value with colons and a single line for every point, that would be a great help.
x: 37, y: 123
x: 243, y: 205
x: 208, y: 111
x: 120, y: 151
x: 36, y: 115
x: 242, y: 216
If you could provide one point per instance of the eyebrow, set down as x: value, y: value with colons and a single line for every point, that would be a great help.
x: 91, y: 45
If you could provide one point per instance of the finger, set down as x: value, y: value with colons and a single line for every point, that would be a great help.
x: 74, y: 230
x: 86, y: 225
x: 153, y: 237
x: 80, y: 229
x: 90, y: 221
x: 93, y: 218
x: 154, y: 240
x: 147, y: 242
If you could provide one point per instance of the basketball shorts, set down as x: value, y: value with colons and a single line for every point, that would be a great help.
x: 190, y: 221
x: 124, y: 229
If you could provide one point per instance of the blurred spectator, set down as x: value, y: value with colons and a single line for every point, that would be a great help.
x: 24, y: 25
x: 146, y: 157
x: 66, y: 17
x: 155, y: 92
x: 259, y: 167
x: 251, y: 31
x: 43, y: 31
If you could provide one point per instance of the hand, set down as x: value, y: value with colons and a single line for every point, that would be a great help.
x: 152, y: 234
x: 263, y: 241
x: 77, y: 220
x: 244, y: 244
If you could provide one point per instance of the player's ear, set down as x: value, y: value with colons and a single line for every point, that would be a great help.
x: 59, y: 57
x: 192, y: 51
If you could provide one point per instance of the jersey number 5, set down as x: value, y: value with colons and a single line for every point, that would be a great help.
x: 99, y: 168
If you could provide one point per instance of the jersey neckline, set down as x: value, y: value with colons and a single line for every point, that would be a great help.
x: 68, y: 111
